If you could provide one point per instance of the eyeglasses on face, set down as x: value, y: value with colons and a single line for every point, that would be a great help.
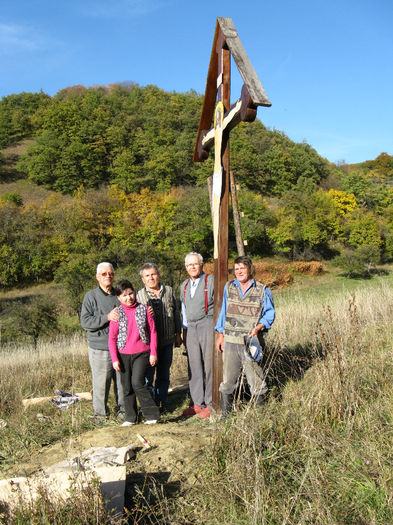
x: 193, y: 265
x: 109, y: 274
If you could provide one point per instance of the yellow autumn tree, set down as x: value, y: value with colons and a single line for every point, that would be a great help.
x: 344, y: 202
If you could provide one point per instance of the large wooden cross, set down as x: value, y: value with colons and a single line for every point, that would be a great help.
x: 217, y: 103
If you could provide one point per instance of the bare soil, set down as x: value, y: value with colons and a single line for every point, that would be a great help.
x: 171, y: 461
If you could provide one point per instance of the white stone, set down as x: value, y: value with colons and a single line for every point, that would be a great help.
x: 106, y: 463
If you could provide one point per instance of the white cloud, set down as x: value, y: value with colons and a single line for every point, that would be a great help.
x: 15, y: 38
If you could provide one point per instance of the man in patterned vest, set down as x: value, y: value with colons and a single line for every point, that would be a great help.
x: 168, y: 325
x: 197, y: 297
x: 247, y: 309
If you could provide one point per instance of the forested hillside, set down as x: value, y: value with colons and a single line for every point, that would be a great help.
x: 118, y: 162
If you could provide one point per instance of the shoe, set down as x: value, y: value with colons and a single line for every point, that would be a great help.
x: 191, y: 411
x: 150, y: 421
x: 204, y: 413
x: 226, y: 405
x: 128, y: 423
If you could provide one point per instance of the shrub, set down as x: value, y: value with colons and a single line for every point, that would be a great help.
x: 13, y: 198
x: 359, y: 262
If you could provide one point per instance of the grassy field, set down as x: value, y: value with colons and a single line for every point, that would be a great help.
x: 318, y: 451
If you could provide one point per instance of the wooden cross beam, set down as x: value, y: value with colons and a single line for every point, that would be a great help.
x: 217, y: 103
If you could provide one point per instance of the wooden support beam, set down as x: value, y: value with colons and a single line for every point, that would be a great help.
x: 236, y: 217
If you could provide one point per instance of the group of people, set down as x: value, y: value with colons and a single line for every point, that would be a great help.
x: 131, y: 337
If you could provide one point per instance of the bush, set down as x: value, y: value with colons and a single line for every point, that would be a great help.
x: 37, y: 318
x: 358, y: 262
x: 76, y: 277
x: 13, y: 198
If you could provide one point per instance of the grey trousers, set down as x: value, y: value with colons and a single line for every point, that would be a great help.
x: 200, y: 360
x: 102, y: 374
x: 234, y: 361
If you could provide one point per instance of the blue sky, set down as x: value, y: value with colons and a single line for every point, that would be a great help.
x: 327, y: 66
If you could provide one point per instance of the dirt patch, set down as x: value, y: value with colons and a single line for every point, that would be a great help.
x: 308, y: 268
x: 173, y: 445
x: 176, y: 444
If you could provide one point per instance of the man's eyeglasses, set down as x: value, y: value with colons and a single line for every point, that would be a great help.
x: 193, y: 265
x: 109, y: 274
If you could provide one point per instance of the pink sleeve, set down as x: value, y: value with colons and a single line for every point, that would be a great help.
x: 112, y: 340
x: 153, y: 333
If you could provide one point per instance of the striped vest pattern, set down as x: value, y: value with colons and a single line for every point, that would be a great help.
x: 243, y: 313
x: 141, y: 322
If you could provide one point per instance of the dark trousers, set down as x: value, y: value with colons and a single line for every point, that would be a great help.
x: 133, y: 372
x: 162, y: 371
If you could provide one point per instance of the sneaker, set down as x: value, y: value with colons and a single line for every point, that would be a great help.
x: 128, y: 423
x: 204, y: 413
x: 150, y: 421
x: 191, y: 411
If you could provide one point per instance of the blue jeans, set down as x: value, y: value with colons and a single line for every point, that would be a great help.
x: 162, y: 371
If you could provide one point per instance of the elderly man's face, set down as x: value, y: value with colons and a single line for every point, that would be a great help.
x: 242, y: 273
x: 151, y: 278
x: 105, y: 277
x: 193, y: 266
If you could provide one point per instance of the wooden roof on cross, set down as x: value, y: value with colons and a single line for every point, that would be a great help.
x: 256, y: 95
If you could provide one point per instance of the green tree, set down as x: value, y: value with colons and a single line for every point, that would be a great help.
x: 305, y: 221
x: 256, y: 219
x: 77, y: 276
x: 17, y: 115
x: 362, y: 229
x: 357, y: 263
x: 35, y: 319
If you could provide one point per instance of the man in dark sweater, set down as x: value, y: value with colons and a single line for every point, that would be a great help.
x: 197, y: 297
x: 98, y: 308
x: 168, y: 325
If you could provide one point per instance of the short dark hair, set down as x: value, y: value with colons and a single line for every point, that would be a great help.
x: 243, y: 259
x: 121, y: 286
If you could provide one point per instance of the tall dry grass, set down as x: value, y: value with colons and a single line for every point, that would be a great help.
x: 83, y: 507
x: 26, y: 372
x: 319, y: 451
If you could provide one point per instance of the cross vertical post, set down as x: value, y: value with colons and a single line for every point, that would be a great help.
x: 221, y: 261
x: 226, y: 43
